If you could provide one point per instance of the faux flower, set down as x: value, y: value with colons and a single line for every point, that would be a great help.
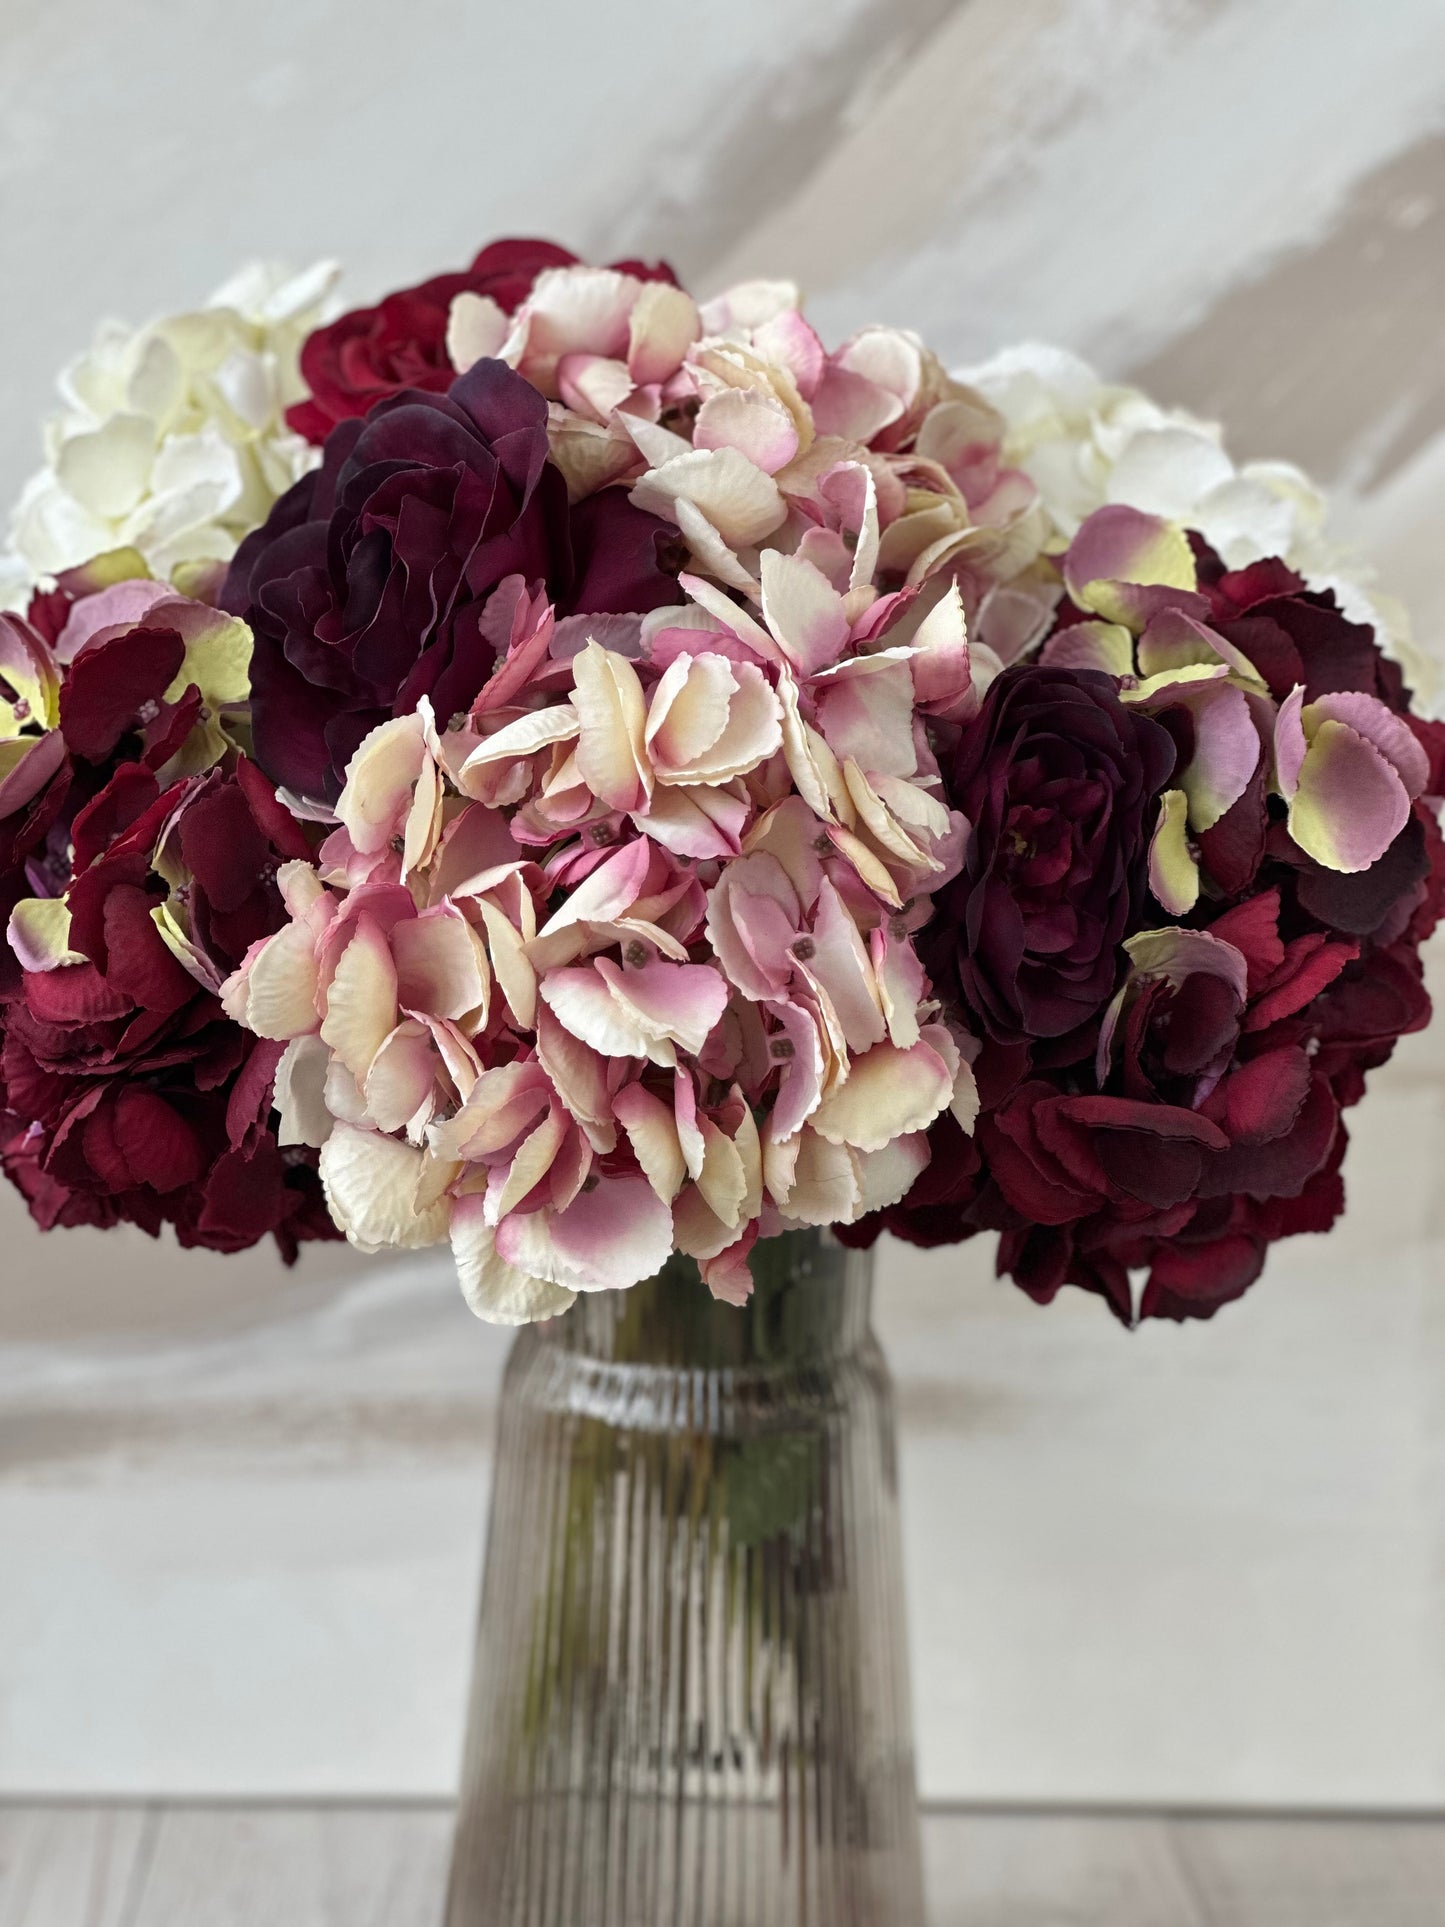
x: 1059, y: 781
x: 748, y: 782
x: 1085, y: 443
x: 369, y: 353
x: 367, y: 587
x: 172, y: 440
x: 136, y: 876
x: 535, y: 999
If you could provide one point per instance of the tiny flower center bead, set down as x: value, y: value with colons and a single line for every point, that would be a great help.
x: 204, y: 713
x: 590, y: 1183
x: 21, y: 710
x: 636, y: 953
x: 398, y: 844
x: 458, y: 720
x: 602, y: 834
x: 823, y: 844
x: 804, y: 949
x: 781, y: 1048
x: 148, y: 711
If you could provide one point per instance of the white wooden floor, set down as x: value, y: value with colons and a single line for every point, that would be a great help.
x: 385, y: 1866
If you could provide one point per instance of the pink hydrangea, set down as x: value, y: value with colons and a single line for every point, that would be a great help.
x: 620, y: 961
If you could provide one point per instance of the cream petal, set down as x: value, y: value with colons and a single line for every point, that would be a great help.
x: 371, y: 1184
x: 361, y: 1008
x: 495, y: 1290
x: 889, y: 1093
x: 476, y: 329
x: 901, y: 981
x: 1173, y: 871
x: 612, y: 712
x: 275, y: 991
x: 583, y: 1003
x: 651, y: 1128
x: 839, y: 965
x: 533, y: 1159
x: 803, y: 610
x: 688, y: 711
x: 593, y: 385
x: 401, y: 1081
x: 753, y: 732
x: 823, y: 1186
x: 380, y: 779
x: 753, y: 423
x: 663, y: 325
x: 512, y: 967
x: 888, y: 1175
x: 698, y: 821
x: 108, y: 469
x: 736, y: 497
x: 697, y: 1230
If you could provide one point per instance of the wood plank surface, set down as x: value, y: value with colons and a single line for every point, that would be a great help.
x: 381, y: 1866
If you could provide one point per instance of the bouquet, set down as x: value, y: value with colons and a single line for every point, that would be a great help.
x: 551, y: 767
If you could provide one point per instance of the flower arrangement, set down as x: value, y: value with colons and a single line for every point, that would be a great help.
x: 551, y: 767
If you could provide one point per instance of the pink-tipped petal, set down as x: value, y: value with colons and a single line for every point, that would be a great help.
x: 1350, y: 803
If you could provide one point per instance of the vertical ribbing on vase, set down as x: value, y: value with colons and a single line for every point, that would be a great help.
x: 691, y: 1692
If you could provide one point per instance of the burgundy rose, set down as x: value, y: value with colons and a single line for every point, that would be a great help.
x: 370, y: 353
x: 1059, y: 781
x: 366, y: 587
x: 126, y: 1094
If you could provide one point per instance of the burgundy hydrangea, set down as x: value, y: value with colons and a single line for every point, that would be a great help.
x: 126, y: 1095
x: 1162, y: 1096
x: 1059, y: 781
x: 360, y: 358
x: 366, y: 588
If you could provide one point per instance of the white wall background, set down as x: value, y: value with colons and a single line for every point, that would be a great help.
x: 240, y: 1512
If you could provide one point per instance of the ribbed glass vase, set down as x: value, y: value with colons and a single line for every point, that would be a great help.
x: 691, y: 1701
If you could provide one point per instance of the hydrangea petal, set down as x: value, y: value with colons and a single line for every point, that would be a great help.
x: 1173, y: 871
x: 1350, y: 804
x: 372, y: 1184
x: 361, y: 1009
x: 498, y: 1292
x: 889, y: 1093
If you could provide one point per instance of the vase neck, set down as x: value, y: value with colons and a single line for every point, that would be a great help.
x: 811, y: 1299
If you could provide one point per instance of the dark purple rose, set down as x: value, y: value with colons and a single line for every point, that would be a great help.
x: 356, y: 360
x: 366, y: 587
x: 1059, y: 780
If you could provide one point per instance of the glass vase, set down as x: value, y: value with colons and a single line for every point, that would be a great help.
x: 691, y: 1698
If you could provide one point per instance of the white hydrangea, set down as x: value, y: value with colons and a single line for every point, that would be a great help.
x: 172, y: 438
x: 1087, y: 442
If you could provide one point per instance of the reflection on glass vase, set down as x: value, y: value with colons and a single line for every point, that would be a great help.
x: 691, y: 1698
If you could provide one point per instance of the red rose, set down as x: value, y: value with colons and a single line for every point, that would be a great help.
x: 370, y: 353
